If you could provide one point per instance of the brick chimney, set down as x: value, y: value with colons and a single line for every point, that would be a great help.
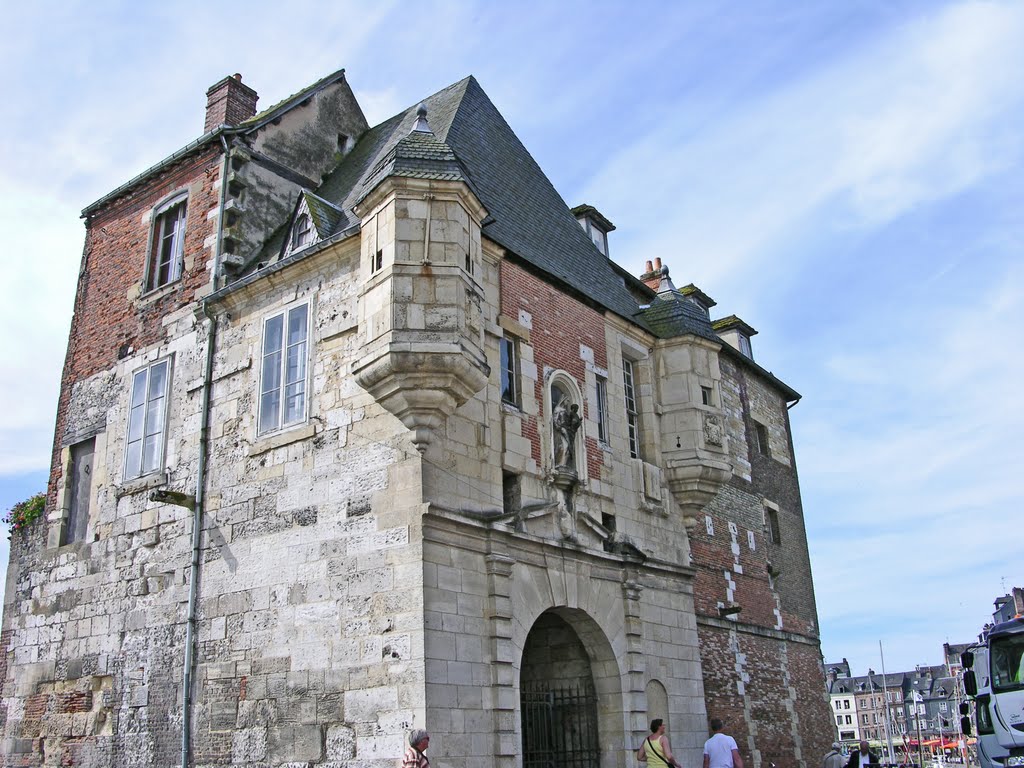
x: 229, y: 102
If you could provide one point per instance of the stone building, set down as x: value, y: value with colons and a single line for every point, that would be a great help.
x: 361, y: 430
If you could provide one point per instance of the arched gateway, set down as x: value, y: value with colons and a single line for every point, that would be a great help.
x: 570, y: 694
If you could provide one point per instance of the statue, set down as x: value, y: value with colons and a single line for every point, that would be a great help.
x: 566, y: 422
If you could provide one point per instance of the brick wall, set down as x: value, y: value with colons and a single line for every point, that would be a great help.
x: 112, y: 311
x: 762, y: 666
x: 560, y: 324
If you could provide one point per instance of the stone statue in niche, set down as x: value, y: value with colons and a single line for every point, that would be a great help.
x: 565, y: 422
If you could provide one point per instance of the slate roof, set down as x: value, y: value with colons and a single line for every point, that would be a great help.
x: 324, y: 215
x: 671, y: 314
x: 527, y: 215
x: 419, y: 155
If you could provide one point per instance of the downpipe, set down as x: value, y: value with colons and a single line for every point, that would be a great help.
x: 197, y: 533
x: 200, y: 495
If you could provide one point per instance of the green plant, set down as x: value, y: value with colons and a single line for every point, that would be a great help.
x: 25, y: 512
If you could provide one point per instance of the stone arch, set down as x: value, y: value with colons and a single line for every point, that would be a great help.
x: 576, y: 598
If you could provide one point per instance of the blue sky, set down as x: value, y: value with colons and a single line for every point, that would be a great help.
x: 846, y: 177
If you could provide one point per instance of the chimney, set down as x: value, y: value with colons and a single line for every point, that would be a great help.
x: 1018, y: 600
x: 229, y: 102
x: 652, y: 276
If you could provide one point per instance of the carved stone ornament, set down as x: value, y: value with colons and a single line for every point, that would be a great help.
x: 712, y: 429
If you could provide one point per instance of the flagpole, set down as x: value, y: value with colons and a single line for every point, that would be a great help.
x: 888, y: 729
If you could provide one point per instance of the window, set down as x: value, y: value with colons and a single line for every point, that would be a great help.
x: 761, y: 437
x: 837, y: 704
x: 745, y: 346
x: 283, y: 371
x: 632, y: 414
x: 79, y: 492
x: 864, y: 719
x: 846, y: 704
x: 303, y: 232
x: 849, y: 719
x: 509, y: 346
x: 602, y: 409
x: 147, y: 420
x: 705, y: 395
x: 772, y: 520
x: 839, y: 719
x: 168, y: 243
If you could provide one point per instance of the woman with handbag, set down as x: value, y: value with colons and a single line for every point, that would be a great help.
x: 655, y: 751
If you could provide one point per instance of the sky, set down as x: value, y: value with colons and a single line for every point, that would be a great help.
x: 847, y: 177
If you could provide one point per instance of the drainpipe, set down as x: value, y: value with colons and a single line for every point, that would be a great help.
x: 200, y: 496
x: 197, y: 533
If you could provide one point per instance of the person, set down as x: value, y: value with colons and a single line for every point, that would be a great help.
x: 720, y: 751
x: 862, y: 757
x: 834, y: 758
x: 419, y: 740
x: 655, y: 751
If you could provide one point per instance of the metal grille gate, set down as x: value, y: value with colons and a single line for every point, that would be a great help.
x: 559, y: 726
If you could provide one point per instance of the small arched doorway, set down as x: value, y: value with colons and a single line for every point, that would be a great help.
x: 558, y: 697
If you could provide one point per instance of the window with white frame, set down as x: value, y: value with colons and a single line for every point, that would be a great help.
x: 168, y: 245
x: 283, y: 369
x: 632, y: 412
x: 147, y: 420
x: 602, y: 409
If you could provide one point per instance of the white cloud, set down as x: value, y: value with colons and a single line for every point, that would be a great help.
x: 904, y: 119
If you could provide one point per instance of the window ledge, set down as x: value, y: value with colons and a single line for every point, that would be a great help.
x: 278, y: 439
x: 140, y: 484
x: 153, y: 294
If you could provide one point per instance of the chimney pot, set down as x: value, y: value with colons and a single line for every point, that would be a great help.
x: 649, y: 267
x: 229, y: 102
x: 657, y: 262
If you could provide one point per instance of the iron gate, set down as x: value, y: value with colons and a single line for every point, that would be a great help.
x: 559, y: 726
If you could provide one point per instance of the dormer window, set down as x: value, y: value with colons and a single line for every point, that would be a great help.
x: 595, y: 225
x: 736, y: 334
x: 745, y: 346
x: 302, y: 233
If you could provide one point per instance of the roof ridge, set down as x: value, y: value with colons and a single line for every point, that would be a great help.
x: 286, y: 103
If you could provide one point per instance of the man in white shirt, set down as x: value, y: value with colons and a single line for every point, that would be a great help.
x: 720, y: 751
